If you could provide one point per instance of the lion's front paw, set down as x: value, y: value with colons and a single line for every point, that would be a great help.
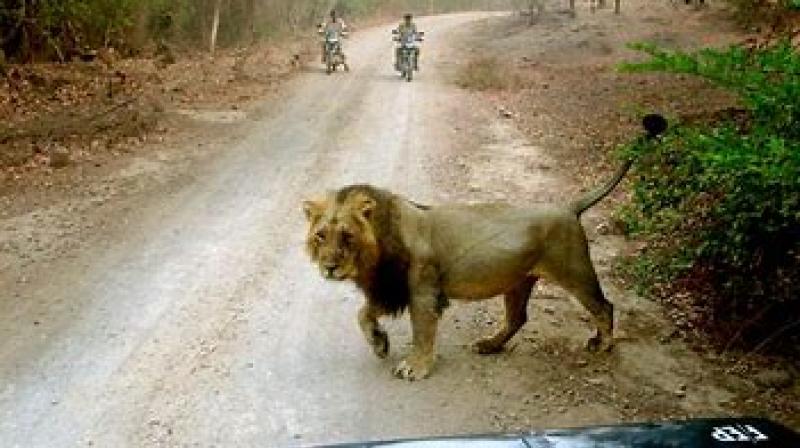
x: 413, y: 368
x: 380, y: 343
x: 487, y: 346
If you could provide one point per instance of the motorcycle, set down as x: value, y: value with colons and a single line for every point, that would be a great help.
x: 334, y: 57
x: 407, y: 62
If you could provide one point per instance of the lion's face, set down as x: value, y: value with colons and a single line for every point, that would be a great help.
x: 340, y: 238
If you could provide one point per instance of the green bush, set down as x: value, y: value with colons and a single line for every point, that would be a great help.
x: 720, y: 204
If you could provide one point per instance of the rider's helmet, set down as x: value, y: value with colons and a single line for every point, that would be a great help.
x: 407, y: 17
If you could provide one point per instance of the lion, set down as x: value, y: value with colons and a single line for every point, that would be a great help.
x: 403, y: 255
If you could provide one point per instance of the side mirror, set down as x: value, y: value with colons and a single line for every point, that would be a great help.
x: 421, y: 33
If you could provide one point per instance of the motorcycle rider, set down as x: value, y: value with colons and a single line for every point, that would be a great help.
x: 406, y: 27
x: 336, y: 25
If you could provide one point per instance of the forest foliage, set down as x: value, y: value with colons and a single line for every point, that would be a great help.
x: 37, y: 30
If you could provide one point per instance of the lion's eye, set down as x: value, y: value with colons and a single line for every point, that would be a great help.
x: 347, y: 237
x: 320, y: 236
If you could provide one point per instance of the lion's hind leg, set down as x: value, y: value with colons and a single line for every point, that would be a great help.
x: 576, y: 274
x: 591, y: 297
x: 516, y: 304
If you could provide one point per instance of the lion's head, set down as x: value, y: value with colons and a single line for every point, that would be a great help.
x: 354, y: 234
x: 341, y: 239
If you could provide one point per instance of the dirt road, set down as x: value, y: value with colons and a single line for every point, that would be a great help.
x: 197, y: 320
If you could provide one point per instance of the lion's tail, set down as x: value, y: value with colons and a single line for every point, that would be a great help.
x: 592, y: 198
x: 654, y: 125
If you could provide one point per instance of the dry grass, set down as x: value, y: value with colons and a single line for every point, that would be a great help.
x: 69, y: 104
x: 486, y: 73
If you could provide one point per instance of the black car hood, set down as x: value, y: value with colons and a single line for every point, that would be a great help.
x: 702, y: 433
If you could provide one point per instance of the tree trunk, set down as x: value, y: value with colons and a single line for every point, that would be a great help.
x: 530, y: 12
x: 215, y: 26
x: 616, y: 6
x: 251, y: 20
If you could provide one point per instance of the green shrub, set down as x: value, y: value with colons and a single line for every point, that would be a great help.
x: 720, y: 204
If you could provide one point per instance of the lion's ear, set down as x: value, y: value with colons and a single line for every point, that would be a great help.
x: 313, y: 209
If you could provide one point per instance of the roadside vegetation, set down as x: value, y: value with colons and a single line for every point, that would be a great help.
x: 719, y: 202
x: 63, y: 30
x: 760, y: 12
